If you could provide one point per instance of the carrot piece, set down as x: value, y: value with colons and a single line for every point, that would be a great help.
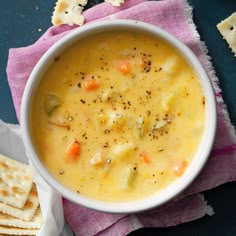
x: 123, y: 67
x: 91, y: 84
x: 179, y: 167
x: 145, y: 157
x: 73, y: 151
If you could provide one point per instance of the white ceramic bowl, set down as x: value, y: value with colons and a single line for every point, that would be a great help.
x: 203, y: 150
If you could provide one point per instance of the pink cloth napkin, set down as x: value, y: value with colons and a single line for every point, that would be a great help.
x: 175, y: 16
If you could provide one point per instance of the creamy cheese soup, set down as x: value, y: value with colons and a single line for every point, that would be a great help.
x: 118, y: 116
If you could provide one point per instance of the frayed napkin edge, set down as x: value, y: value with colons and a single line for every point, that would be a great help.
x: 207, y: 62
x: 209, y: 209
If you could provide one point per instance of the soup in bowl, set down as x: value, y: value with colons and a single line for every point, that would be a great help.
x: 119, y: 116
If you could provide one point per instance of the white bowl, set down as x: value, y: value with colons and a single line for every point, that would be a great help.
x: 201, y: 154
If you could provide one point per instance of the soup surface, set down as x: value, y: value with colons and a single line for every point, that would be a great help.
x: 118, y: 116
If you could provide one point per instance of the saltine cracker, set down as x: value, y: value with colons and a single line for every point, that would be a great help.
x: 35, y: 223
x: 25, y: 213
x: 68, y: 12
x: 15, y: 182
x: 6, y: 230
x: 227, y: 29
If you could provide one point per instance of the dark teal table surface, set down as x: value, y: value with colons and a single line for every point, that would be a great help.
x: 23, y: 22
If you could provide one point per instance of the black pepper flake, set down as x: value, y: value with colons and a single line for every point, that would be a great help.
x: 203, y: 101
x: 78, y: 191
x: 57, y: 58
x: 82, y: 101
x: 84, y: 135
x: 107, y: 131
x: 79, y: 85
x: 155, y: 136
x: 105, y: 145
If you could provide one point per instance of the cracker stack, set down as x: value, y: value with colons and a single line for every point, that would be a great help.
x: 20, y: 213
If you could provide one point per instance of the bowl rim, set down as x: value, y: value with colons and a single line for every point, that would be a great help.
x: 173, y: 189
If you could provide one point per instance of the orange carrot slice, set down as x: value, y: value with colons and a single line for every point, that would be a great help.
x: 91, y: 84
x: 123, y: 67
x: 73, y: 151
x: 145, y: 157
x: 179, y: 167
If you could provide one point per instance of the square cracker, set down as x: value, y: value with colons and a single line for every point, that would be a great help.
x: 227, y: 29
x: 7, y: 230
x: 15, y: 182
x: 35, y: 223
x: 25, y: 213
x: 68, y: 12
